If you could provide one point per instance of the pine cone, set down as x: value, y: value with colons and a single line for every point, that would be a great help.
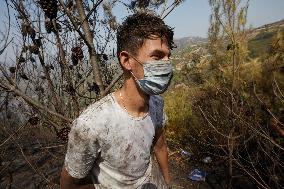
x: 50, y: 28
x: 31, y: 32
x: 77, y: 54
x: 74, y: 61
x: 25, y: 29
x: 34, y: 49
x: 49, y: 8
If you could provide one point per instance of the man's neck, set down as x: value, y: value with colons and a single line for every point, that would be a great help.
x: 132, y: 99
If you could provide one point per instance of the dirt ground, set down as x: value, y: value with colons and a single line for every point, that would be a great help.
x: 36, y: 166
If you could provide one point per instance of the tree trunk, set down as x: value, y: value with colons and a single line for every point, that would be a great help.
x: 92, y: 50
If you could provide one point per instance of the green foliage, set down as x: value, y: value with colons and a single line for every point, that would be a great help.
x: 230, y: 105
x: 181, y: 118
x: 174, y: 107
x: 258, y: 46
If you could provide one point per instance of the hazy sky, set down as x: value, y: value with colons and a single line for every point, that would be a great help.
x: 192, y: 17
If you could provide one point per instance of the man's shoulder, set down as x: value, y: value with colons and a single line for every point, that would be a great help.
x: 99, y: 106
x: 95, y: 113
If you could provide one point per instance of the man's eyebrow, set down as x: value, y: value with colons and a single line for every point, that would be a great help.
x: 159, y: 52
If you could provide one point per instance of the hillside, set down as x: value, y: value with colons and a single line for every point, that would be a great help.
x: 186, y: 42
x: 208, y: 106
x: 260, y: 39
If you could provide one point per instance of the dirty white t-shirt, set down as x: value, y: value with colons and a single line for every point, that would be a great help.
x: 113, y: 145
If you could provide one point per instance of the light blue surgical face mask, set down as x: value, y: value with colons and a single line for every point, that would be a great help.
x: 157, y: 76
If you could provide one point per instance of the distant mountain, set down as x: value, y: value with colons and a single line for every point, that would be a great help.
x: 259, y: 39
x: 271, y: 26
x: 185, y: 42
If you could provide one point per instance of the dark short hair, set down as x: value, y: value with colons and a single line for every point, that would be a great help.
x: 138, y: 27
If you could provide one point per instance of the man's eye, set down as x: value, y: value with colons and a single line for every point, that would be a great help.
x: 156, y: 57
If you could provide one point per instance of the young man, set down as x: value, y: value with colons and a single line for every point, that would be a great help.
x: 113, y: 138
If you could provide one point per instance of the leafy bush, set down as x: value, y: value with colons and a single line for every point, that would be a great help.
x: 242, y: 124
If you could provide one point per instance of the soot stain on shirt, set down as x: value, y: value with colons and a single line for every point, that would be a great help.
x: 71, y: 146
x: 122, y: 145
x: 78, y: 137
x: 106, y: 147
x: 127, y: 150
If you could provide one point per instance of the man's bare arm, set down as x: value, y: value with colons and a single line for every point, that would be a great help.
x: 161, y: 153
x: 68, y: 182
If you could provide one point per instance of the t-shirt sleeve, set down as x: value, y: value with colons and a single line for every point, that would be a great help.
x: 165, y: 118
x: 157, y: 112
x: 82, y: 149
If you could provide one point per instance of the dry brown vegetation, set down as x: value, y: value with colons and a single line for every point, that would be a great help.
x: 232, y: 106
x: 226, y: 104
x: 57, y: 57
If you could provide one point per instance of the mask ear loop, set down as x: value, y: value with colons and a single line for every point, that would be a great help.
x: 136, y: 60
x: 134, y: 76
x: 131, y: 68
x: 141, y: 65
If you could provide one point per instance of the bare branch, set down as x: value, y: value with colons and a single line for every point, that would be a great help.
x: 6, y: 43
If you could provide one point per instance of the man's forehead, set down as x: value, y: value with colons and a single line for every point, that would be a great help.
x: 155, y: 45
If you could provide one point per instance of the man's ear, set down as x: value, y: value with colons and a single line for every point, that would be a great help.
x: 124, y: 60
